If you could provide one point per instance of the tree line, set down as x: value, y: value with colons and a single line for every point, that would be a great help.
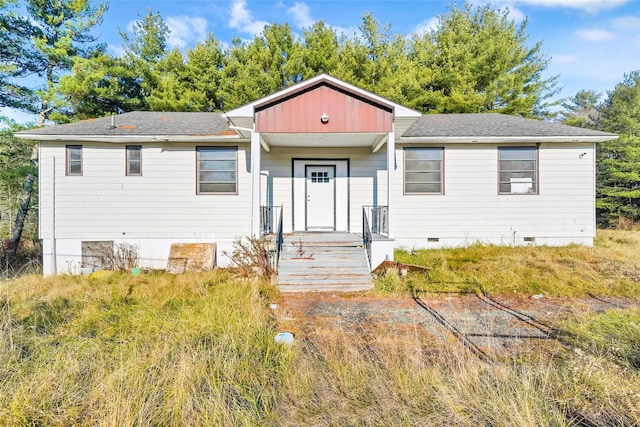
x: 618, y: 161
x: 475, y: 59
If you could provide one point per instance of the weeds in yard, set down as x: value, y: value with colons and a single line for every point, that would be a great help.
x: 345, y: 377
x: 252, y: 256
x: 611, y: 267
x: 198, y: 349
x: 137, y: 350
x: 122, y: 256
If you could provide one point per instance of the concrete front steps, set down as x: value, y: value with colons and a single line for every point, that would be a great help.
x: 323, y: 262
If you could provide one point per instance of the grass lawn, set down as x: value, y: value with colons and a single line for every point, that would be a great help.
x: 197, y: 349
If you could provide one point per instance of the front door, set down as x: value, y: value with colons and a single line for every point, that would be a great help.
x: 321, y: 197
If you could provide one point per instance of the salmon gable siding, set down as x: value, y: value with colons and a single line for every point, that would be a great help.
x: 301, y: 112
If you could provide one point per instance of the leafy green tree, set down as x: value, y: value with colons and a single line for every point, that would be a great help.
x: 581, y: 110
x: 618, y: 162
x: 478, y: 61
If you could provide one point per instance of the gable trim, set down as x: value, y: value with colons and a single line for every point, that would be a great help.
x: 323, y: 83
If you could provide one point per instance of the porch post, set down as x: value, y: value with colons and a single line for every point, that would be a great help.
x: 255, y: 183
x: 391, y: 172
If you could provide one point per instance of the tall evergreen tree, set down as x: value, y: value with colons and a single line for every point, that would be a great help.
x: 60, y: 30
x: 618, y: 162
x: 15, y: 57
x: 270, y: 62
x: 478, y: 61
x: 320, y: 50
x: 581, y: 110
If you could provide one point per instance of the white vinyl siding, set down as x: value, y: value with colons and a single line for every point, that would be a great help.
x: 472, y: 211
x: 217, y: 170
x: 161, y: 204
x: 423, y: 170
x: 74, y: 159
x: 366, y: 180
x: 134, y: 160
x: 518, y: 170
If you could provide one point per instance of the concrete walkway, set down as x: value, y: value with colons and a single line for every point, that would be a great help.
x: 323, y: 262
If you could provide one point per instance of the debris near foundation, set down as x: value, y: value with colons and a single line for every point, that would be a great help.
x: 401, y: 268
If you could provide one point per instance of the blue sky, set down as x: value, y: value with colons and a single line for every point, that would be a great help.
x: 591, y: 43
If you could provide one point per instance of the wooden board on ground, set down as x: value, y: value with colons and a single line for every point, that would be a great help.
x: 191, y: 257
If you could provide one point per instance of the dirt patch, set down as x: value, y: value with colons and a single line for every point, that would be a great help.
x: 494, y: 327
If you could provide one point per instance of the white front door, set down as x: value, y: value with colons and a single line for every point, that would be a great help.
x: 321, y: 200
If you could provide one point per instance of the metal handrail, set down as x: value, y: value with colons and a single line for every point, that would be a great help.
x: 279, y: 241
x: 267, y: 216
x: 379, y: 219
x: 366, y: 235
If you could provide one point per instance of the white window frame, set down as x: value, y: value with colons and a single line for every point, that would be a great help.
x: 521, y: 181
x: 69, y: 161
x: 130, y: 161
x: 199, y: 170
x: 407, y: 170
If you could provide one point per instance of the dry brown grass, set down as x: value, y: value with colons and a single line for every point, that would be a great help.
x: 395, y: 377
x: 611, y: 267
x: 115, y: 349
x: 197, y: 349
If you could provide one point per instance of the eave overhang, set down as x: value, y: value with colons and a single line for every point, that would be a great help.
x: 502, y: 139
x: 133, y: 138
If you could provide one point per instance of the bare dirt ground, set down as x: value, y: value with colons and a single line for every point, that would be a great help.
x: 493, y: 327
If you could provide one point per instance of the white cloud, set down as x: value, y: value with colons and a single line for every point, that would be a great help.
x: 425, y: 26
x: 300, y: 13
x: 591, y: 6
x: 184, y: 30
x: 594, y: 34
x: 627, y: 23
x: 516, y: 14
x: 242, y: 20
x: 558, y: 58
x: 115, y: 50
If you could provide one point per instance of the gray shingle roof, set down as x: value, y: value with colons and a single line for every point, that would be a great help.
x: 149, y: 123
x: 145, y: 123
x: 491, y: 125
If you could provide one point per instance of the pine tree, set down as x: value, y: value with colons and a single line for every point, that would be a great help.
x: 618, y: 162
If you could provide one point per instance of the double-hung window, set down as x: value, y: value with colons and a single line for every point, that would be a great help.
x: 217, y: 170
x: 134, y: 160
x: 423, y: 170
x: 74, y: 159
x: 518, y: 170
